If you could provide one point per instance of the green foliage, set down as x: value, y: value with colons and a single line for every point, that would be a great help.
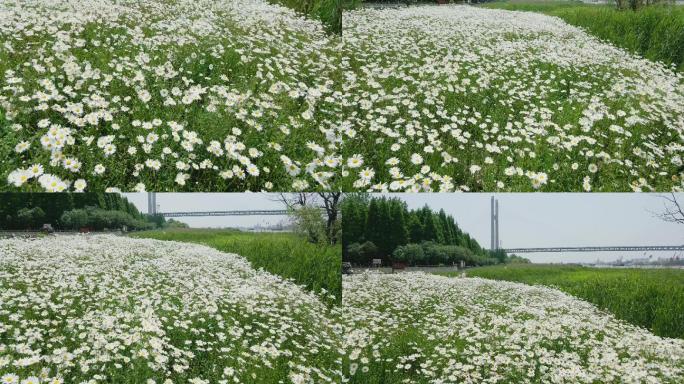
x: 351, y: 4
x: 651, y: 298
x: 99, y: 219
x: 406, y: 2
x: 171, y: 224
x: 31, y: 210
x: 30, y: 217
x: 315, y: 266
x: 327, y: 11
x: 388, y: 224
x: 310, y: 224
x: 654, y: 32
x: 362, y: 253
x: 431, y: 253
x: 409, y: 253
x: 354, y: 208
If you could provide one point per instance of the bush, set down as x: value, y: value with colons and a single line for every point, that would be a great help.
x: 361, y: 254
x: 409, y: 253
x: 77, y: 218
x: 30, y: 217
x: 430, y: 253
x: 99, y: 219
x: 171, y: 223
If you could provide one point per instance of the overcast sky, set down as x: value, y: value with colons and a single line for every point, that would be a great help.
x: 527, y: 219
x: 183, y: 202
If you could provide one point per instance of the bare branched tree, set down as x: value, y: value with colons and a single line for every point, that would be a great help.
x: 331, y: 204
x: 296, y: 200
x: 673, y: 212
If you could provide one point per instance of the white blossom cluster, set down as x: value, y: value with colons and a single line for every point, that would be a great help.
x: 444, y: 98
x: 166, y: 95
x: 421, y: 328
x: 108, y: 309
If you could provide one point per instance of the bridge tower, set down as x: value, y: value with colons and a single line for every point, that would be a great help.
x: 151, y: 203
x: 495, y: 242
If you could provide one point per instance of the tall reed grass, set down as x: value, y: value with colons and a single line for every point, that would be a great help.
x: 328, y: 11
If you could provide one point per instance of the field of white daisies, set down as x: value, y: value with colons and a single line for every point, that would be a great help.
x: 463, y: 98
x: 421, y: 328
x: 95, y: 309
x: 166, y: 95
x: 102, y: 308
x: 243, y: 95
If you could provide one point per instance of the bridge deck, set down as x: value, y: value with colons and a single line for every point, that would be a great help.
x: 262, y: 212
x: 598, y: 249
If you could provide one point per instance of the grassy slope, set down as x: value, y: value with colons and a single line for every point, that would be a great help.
x: 653, y: 299
x: 284, y: 254
x: 87, y: 288
x: 656, y: 33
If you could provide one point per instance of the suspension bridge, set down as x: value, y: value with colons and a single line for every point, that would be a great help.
x: 496, y: 242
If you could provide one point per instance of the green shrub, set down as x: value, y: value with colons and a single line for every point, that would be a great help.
x: 431, y: 253
x: 99, y: 219
x: 409, y: 253
x: 361, y: 254
x: 30, y: 217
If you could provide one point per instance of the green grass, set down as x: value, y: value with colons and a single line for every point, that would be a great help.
x: 651, y: 298
x: 328, y: 11
x: 285, y: 254
x: 655, y: 32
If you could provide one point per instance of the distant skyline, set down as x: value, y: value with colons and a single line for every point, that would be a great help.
x: 561, y: 219
x: 526, y: 219
x: 179, y: 202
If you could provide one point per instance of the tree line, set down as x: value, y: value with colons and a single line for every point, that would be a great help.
x: 72, y: 211
x: 384, y: 228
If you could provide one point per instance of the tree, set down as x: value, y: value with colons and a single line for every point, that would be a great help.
x: 331, y: 204
x: 373, y: 222
x: 171, y: 223
x: 310, y: 223
x: 328, y: 202
x: 368, y: 251
x: 672, y: 210
x: 433, y: 231
x: 294, y: 201
x: 398, y: 233
x: 353, y: 210
x: 415, y: 228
